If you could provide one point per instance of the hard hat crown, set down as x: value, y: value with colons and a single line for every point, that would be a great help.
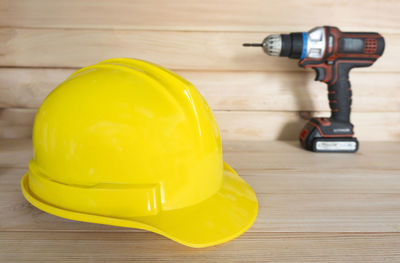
x: 128, y: 143
x: 131, y: 125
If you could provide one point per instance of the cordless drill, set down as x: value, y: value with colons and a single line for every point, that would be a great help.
x: 332, y: 54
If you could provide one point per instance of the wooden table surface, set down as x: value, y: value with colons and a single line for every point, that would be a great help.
x: 313, y: 208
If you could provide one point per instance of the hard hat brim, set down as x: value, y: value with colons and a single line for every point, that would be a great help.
x: 220, y: 218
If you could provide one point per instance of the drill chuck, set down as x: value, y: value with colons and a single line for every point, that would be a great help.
x: 272, y: 45
x: 292, y: 45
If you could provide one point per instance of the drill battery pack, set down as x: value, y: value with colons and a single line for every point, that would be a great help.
x: 327, y: 135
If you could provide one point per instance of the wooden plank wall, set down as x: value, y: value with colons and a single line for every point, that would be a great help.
x: 254, y: 97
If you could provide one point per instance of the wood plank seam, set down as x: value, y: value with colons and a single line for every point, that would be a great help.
x: 191, y: 50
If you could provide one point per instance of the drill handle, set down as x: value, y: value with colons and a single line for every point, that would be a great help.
x: 339, y: 93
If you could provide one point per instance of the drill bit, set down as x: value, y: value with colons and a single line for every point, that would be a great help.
x: 252, y: 44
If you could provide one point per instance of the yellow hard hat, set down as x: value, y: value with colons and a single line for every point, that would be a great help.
x: 128, y: 143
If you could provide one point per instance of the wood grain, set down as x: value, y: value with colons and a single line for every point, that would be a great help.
x: 247, y: 125
x: 271, y: 91
x: 290, y: 157
x: 221, y: 15
x: 16, y: 123
x: 244, y: 125
x: 173, y: 49
x: 148, y: 247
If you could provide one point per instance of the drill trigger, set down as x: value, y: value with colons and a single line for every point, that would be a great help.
x: 320, y: 73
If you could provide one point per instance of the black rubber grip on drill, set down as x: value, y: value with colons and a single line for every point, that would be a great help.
x: 292, y: 45
x: 339, y: 94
